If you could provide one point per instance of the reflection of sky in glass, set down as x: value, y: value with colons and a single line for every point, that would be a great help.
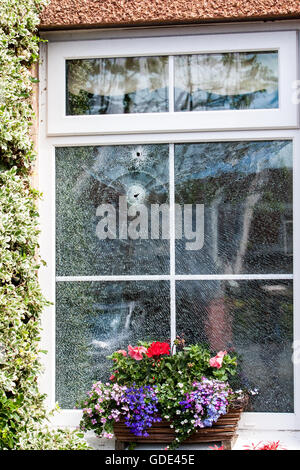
x: 252, y: 318
x: 246, y: 189
x: 234, y: 158
x: 90, y: 176
x: 94, y: 319
x: 118, y: 85
x: 236, y: 80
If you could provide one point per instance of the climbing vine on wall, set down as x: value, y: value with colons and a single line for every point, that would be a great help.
x: 22, y: 414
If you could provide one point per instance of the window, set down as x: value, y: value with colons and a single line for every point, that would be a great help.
x: 201, y: 135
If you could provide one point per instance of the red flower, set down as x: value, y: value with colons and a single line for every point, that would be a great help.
x: 271, y: 445
x: 157, y: 349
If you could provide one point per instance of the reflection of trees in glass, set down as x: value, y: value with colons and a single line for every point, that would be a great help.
x: 246, y: 188
x: 77, y: 98
x: 117, y: 85
x: 236, y: 80
x: 94, y: 319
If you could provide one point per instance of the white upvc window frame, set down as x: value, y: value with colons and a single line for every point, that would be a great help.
x: 286, y: 116
x: 46, y: 171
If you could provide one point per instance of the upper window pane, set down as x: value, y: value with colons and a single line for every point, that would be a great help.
x: 247, y: 192
x: 235, y: 80
x: 94, y: 186
x: 119, y: 85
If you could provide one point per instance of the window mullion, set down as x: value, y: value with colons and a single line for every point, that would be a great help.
x: 172, y: 243
x: 171, y: 84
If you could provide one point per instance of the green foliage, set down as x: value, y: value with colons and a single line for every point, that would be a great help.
x: 22, y: 413
x: 18, y: 51
x: 172, y: 380
x: 21, y: 303
x: 43, y: 438
x: 186, y: 366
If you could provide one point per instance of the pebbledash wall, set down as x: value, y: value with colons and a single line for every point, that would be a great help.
x: 98, y: 13
x: 72, y: 139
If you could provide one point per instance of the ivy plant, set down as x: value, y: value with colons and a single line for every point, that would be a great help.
x: 22, y: 412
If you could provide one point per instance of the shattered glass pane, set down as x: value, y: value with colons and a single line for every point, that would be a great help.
x: 234, y: 80
x: 94, y: 319
x: 87, y: 178
x: 117, y: 86
x: 246, y: 189
x: 252, y: 318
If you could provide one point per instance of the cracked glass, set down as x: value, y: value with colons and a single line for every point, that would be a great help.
x: 87, y: 178
x: 94, y: 319
x: 247, y: 192
x: 254, y: 319
x: 245, y: 189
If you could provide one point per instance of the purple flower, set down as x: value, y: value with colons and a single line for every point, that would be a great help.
x: 207, y: 402
x: 141, y: 402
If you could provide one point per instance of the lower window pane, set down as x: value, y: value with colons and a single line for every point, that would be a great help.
x: 253, y: 318
x: 94, y: 319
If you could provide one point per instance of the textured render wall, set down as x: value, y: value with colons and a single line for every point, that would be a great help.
x: 88, y: 13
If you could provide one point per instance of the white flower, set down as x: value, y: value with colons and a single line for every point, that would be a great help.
x: 180, y: 385
x: 167, y: 417
x: 178, y: 412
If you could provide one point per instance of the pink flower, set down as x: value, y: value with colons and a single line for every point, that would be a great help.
x: 112, y: 377
x: 217, y: 360
x: 137, y: 352
x: 121, y: 351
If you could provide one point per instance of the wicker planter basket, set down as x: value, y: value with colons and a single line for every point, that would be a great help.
x: 224, y: 431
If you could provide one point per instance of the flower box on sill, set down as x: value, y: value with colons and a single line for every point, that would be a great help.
x: 157, y: 396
